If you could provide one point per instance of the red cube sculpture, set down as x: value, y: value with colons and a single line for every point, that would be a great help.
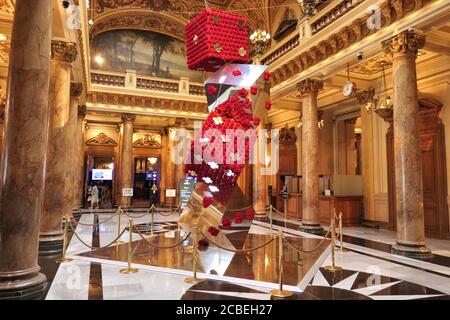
x: 215, y: 37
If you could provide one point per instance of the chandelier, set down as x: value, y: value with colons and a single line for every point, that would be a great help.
x: 383, y: 101
x: 259, y: 38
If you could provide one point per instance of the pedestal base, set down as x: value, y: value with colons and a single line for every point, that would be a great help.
x: 194, y: 280
x: 23, y: 288
x: 50, y: 247
x: 281, y: 293
x: 130, y: 270
x: 412, y: 251
x: 312, y: 228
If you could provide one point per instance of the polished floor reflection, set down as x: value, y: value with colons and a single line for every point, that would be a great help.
x: 370, y: 271
x: 260, y: 265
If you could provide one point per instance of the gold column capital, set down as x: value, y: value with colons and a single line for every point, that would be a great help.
x: 64, y: 51
x: 128, y: 117
x: 406, y: 42
x: 310, y: 86
x: 76, y: 88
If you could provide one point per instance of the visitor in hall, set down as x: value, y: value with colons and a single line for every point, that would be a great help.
x: 154, y: 191
x: 94, y: 196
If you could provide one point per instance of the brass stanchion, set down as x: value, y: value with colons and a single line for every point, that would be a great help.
x: 285, y: 212
x: 333, y: 266
x: 153, y: 219
x: 129, y: 269
x: 194, y: 279
x: 280, y: 293
x: 341, y: 235
x: 118, y: 227
x: 270, y: 215
x: 64, y: 258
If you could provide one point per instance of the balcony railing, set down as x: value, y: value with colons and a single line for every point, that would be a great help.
x: 132, y: 81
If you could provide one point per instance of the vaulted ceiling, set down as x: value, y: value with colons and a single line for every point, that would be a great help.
x: 170, y: 16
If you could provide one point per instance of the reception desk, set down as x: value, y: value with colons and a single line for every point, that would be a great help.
x: 350, y: 206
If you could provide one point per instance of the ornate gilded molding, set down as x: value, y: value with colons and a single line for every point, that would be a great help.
x: 5, y: 48
x: 365, y: 96
x: 7, y: 6
x: 76, y: 88
x: 64, y: 51
x: 148, y: 141
x: 151, y: 21
x: 407, y: 42
x: 101, y: 140
x: 287, y: 136
x: 310, y: 86
x: 391, y: 11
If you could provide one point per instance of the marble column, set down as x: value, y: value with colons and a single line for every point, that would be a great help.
x: 126, y: 167
x: 80, y: 165
x: 24, y: 151
x: 260, y: 191
x: 71, y: 190
x: 407, y: 145
x: 170, y: 164
x: 55, y: 205
x: 309, y: 90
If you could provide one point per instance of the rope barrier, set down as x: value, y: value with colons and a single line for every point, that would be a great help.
x: 239, y: 250
x: 310, y: 250
x: 163, y: 247
x: 99, y: 223
x: 137, y: 217
x: 91, y: 247
x: 170, y: 212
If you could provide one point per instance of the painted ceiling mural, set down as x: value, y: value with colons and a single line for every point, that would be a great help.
x: 149, y: 53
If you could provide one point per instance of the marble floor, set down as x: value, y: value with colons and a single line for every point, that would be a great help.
x: 370, y: 271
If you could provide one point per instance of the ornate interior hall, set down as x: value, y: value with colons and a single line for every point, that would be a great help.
x: 113, y: 114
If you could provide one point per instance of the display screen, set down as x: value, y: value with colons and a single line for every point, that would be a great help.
x: 151, y: 175
x: 101, y: 174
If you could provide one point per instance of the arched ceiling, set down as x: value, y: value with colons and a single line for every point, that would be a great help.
x: 170, y: 16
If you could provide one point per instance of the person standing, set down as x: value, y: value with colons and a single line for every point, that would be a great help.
x: 94, y: 196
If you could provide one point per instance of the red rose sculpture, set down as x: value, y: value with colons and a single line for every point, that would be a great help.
x: 254, y: 90
x: 213, y: 231
x: 212, y: 89
x: 215, y: 37
x: 203, y: 244
x: 207, y: 201
x: 268, y: 105
x: 226, y: 222
x: 238, y: 217
x: 249, y: 214
x: 256, y: 121
x: 266, y: 75
x: 237, y: 73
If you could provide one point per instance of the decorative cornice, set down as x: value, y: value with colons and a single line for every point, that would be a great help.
x: 407, y: 42
x: 76, y: 88
x: 391, y: 10
x: 64, y: 51
x: 365, y: 96
x: 310, y: 86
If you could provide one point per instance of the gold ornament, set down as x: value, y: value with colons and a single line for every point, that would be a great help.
x: 195, y: 39
x: 216, y: 19
x: 218, y: 47
x: 242, y: 52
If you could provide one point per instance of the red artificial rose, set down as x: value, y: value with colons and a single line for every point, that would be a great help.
x: 256, y: 121
x: 238, y: 217
x: 254, y: 90
x: 207, y: 201
x: 268, y: 105
x: 243, y: 92
x: 249, y: 214
x: 203, y: 244
x: 266, y: 75
x: 237, y: 73
x: 212, y: 89
x: 213, y: 231
x: 226, y: 222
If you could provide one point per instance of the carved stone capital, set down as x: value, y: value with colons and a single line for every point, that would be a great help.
x: 407, y: 42
x: 82, y: 111
x: 64, y: 51
x: 365, y: 96
x: 128, y: 117
x: 76, y: 88
x: 310, y: 86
